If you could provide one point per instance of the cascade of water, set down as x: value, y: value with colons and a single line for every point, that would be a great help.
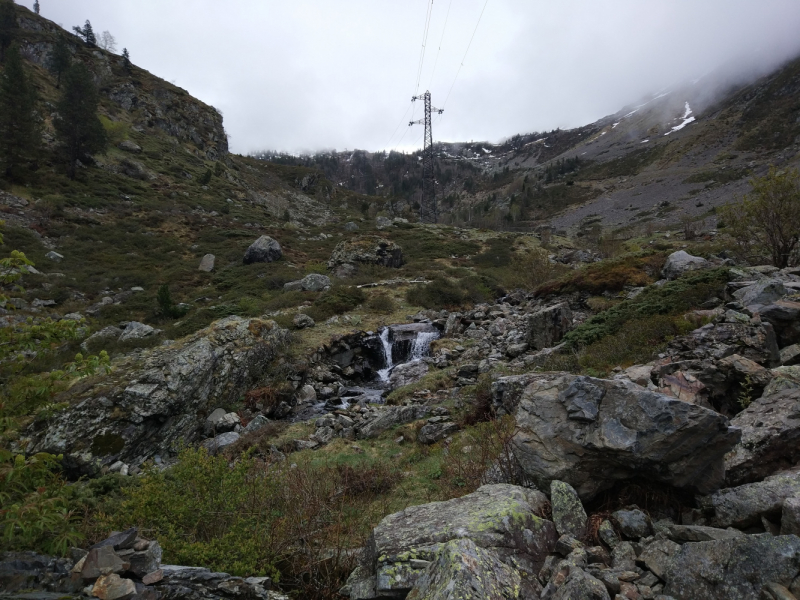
x: 387, y: 355
x: 422, y: 344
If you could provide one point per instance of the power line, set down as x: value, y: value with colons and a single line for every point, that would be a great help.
x: 444, y: 29
x: 424, y: 44
x: 465, y: 54
x: 402, y: 120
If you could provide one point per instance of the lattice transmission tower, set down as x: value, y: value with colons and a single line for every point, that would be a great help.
x: 427, y: 205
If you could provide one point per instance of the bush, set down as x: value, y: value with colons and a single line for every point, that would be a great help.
x: 608, y: 276
x: 440, y: 293
x: 338, y: 300
x: 382, y: 304
x: 166, y: 306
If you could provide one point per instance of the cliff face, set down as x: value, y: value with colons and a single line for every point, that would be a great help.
x: 151, y: 102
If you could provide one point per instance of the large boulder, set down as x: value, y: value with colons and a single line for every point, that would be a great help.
x: 681, y: 262
x: 547, y: 327
x: 784, y: 315
x: 370, y: 250
x: 408, y: 373
x: 591, y: 433
x: 569, y: 516
x: 500, y: 519
x: 313, y: 282
x: 263, y: 250
x: 762, y: 293
x: 153, y: 402
x: 753, y: 340
x: 770, y: 438
x: 733, y: 569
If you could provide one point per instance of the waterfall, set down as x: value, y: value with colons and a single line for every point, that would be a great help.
x: 422, y: 344
x: 383, y: 374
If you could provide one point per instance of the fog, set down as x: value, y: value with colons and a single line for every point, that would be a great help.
x: 312, y: 74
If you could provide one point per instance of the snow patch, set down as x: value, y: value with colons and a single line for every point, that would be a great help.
x: 614, y: 126
x: 645, y: 141
x: 687, y: 118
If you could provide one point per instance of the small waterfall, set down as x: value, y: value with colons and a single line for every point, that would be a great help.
x: 422, y: 344
x: 383, y: 374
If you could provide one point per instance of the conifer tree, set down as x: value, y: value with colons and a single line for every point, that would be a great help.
x: 60, y: 59
x: 78, y: 127
x: 20, y: 133
x: 36, y: 7
x: 126, y: 60
x: 87, y: 33
x: 8, y: 26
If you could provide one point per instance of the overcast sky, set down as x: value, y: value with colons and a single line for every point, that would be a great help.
x: 304, y: 75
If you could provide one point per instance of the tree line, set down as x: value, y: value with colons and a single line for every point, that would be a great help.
x: 79, y: 133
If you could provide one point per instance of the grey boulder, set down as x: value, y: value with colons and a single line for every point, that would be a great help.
x: 547, y: 327
x: 263, y: 250
x: 314, y: 282
x: 745, y: 505
x: 764, y: 292
x: 364, y: 250
x: 681, y: 262
x: 633, y: 523
x: 136, y: 331
x: 207, y: 263
x: 591, y: 433
x: 220, y: 442
x: 569, y: 516
x: 303, y: 321
x: 408, y: 373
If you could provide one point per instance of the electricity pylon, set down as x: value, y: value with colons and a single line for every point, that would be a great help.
x: 427, y: 207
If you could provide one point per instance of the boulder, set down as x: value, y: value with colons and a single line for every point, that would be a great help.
x: 770, y: 438
x: 790, y: 516
x: 123, y: 540
x: 155, y: 400
x: 633, y: 523
x: 314, y: 282
x: 547, y: 327
x: 790, y: 355
x: 207, y: 263
x: 784, y: 315
x: 580, y: 584
x: 745, y: 505
x: 257, y: 423
x: 197, y: 583
x: 783, y: 378
x: 734, y: 569
x: 263, y: 250
x: 569, y: 517
x: 145, y: 561
x: 136, y: 331
x: 383, y: 222
x: 307, y: 393
x: 699, y: 533
x: 113, y: 587
x: 464, y: 570
x: 101, y: 561
x: 658, y: 556
x: 303, y: 321
x: 755, y: 341
x: 591, y: 433
x: 220, y: 442
x: 364, y: 250
x: 500, y: 519
x: 220, y: 421
x: 389, y: 417
x: 408, y: 373
x: 129, y: 146
x: 681, y: 262
x: 350, y: 226
x: 763, y: 292
x: 54, y: 256
x: 436, y: 429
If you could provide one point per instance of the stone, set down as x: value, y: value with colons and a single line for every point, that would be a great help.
x: 464, y: 570
x: 580, y: 584
x: 207, y: 263
x: 430, y: 433
x: 633, y: 524
x: 364, y: 250
x: 263, y: 250
x: 790, y: 516
x: 790, y: 355
x: 699, y: 533
x: 383, y: 222
x: 743, y: 506
x: 681, y: 262
x: 257, y: 423
x: 734, y: 569
x: 388, y: 418
x: 591, y: 433
x: 220, y: 442
x: 775, y: 591
x: 763, y: 292
x: 623, y: 556
x: 113, y: 587
x: 408, y: 373
x: 350, y: 226
x: 306, y: 394
x: 303, y: 321
x: 101, y: 561
x: 146, y: 561
x: 153, y: 577
x: 784, y: 315
x: 545, y: 328
x: 122, y: 540
x: 136, y: 331
x: 54, y: 256
x: 569, y: 516
x: 220, y: 421
x: 129, y: 146
x: 783, y: 378
x: 608, y: 534
x: 658, y: 556
x: 196, y: 583
x: 313, y: 282
x: 500, y: 519
x: 770, y: 441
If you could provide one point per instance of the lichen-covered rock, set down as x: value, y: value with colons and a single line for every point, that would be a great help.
x: 464, y: 571
x: 681, y: 262
x: 501, y: 518
x: 735, y: 569
x: 592, y: 432
x: 313, y: 282
x: 770, y: 438
x: 580, y: 584
x: 153, y: 401
x: 763, y: 292
x: 569, y: 516
x: 547, y: 327
x: 371, y: 250
x: 263, y: 250
x: 743, y: 506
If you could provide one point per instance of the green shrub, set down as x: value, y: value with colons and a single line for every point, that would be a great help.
x: 382, y: 304
x: 440, y: 293
x: 166, y: 306
x: 336, y: 301
x: 607, y: 276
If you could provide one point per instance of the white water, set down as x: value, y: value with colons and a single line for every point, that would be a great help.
x: 387, y: 355
x: 422, y: 344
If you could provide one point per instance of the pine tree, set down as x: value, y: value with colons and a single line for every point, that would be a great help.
x: 8, y: 26
x: 36, y: 7
x: 60, y: 59
x: 87, y: 33
x: 19, y: 123
x: 126, y: 60
x: 78, y: 127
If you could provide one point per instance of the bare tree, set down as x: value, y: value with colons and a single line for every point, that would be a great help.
x: 107, y: 42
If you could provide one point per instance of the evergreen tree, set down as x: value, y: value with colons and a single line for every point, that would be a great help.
x: 78, y: 127
x: 87, y: 33
x: 8, y: 26
x: 19, y: 123
x: 126, y: 60
x: 36, y: 7
x: 60, y: 59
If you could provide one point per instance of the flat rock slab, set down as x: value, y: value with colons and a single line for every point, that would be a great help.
x: 743, y: 506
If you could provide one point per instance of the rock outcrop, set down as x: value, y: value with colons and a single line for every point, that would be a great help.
x: 369, y: 250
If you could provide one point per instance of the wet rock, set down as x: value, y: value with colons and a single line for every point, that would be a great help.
x: 592, y: 432
x: 263, y: 250
x: 633, y: 524
x: 681, y: 262
x: 464, y: 570
x: 569, y: 516
x: 735, y: 569
x: 207, y: 263
x: 743, y: 506
x: 770, y: 438
x: 546, y: 327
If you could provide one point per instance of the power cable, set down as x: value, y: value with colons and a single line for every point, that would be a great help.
x: 444, y: 29
x: 465, y: 55
x: 402, y: 120
x: 424, y: 44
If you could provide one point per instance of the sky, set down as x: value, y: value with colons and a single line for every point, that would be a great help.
x: 310, y: 75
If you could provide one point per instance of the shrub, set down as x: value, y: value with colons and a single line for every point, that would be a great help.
x: 440, y: 293
x: 336, y: 301
x: 166, y: 306
x: 607, y: 276
x: 382, y: 304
